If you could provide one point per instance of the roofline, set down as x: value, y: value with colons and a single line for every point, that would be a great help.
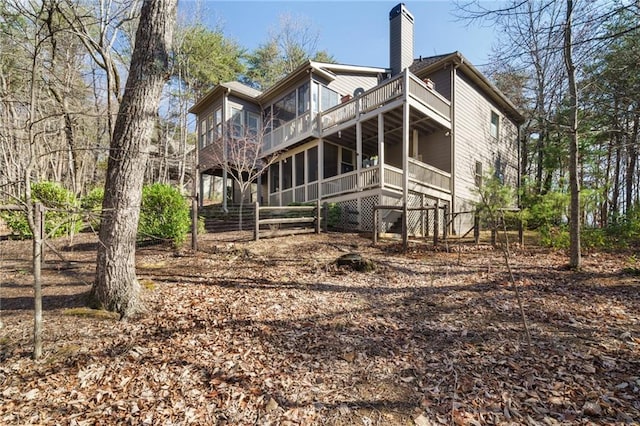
x: 477, y: 77
x: 198, y: 106
x: 203, y: 101
x: 320, y: 68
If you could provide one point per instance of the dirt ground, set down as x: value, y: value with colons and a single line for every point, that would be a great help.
x: 273, y: 332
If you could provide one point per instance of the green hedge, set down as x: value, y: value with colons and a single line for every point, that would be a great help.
x: 61, y: 215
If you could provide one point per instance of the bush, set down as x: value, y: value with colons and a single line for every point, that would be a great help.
x: 164, y: 214
x: 554, y: 236
x: 92, y: 204
x: 334, y: 215
x: 60, y: 218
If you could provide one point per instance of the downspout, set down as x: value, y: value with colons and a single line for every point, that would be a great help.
x: 224, y: 152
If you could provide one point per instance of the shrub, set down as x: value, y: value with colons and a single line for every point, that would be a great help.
x: 164, y: 214
x: 334, y: 215
x: 59, y: 219
x: 92, y: 204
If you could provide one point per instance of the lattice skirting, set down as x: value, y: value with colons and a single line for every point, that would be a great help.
x: 358, y: 215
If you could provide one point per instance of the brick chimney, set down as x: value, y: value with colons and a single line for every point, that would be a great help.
x: 400, y: 39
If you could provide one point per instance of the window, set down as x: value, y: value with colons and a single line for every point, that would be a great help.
x: 347, y: 161
x: 312, y: 164
x: 315, y: 87
x: 495, y: 125
x: 300, y: 168
x: 478, y: 175
x: 253, y: 123
x: 210, y: 128
x: 267, y: 119
x: 217, y: 117
x: 203, y: 133
x: 328, y: 98
x: 236, y: 122
x: 287, y: 172
x: 303, y: 99
x: 284, y: 110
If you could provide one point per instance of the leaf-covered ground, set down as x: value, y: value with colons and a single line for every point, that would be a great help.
x: 274, y: 333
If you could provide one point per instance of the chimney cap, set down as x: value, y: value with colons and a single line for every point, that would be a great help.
x: 398, y: 10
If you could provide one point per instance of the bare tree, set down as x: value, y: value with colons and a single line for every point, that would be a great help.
x: 116, y: 286
x: 239, y: 151
x: 575, y: 258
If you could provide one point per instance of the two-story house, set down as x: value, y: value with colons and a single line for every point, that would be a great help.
x: 419, y: 133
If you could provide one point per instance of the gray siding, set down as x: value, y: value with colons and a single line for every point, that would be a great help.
x: 473, y: 141
x: 242, y: 104
x: 442, y: 82
x: 400, y: 39
x: 435, y: 150
x: 345, y: 84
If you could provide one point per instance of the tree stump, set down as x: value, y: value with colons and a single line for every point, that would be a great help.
x: 356, y: 262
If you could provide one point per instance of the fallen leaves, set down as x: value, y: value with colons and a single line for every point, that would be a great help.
x: 273, y: 333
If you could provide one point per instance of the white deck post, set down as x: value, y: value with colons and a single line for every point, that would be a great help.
x: 320, y: 167
x: 381, y: 148
x: 405, y: 159
x: 358, y: 154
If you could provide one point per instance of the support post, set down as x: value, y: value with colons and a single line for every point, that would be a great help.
x: 436, y: 223
x: 476, y: 227
x: 375, y: 225
x: 194, y: 210
x: 256, y: 219
x: 325, y: 213
x: 521, y: 230
x: 405, y: 227
x: 37, y: 280
x: 405, y: 159
x: 445, y: 230
x: 318, y: 216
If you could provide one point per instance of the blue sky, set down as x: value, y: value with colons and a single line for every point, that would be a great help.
x: 354, y: 32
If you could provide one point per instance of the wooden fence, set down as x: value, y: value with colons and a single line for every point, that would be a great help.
x: 286, y: 220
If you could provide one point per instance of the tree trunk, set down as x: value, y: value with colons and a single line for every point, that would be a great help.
x: 116, y: 287
x: 575, y: 259
x: 630, y: 172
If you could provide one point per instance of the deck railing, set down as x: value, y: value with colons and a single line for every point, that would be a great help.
x: 419, y: 90
x: 289, y: 131
x: 381, y: 95
x: 367, y: 178
x: 370, y: 177
x: 339, y: 184
x: 392, y: 177
x: 425, y: 174
x: 373, y: 98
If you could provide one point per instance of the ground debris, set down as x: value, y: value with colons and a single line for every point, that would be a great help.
x: 266, y: 332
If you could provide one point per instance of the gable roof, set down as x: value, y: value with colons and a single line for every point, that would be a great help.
x: 422, y: 66
x: 325, y: 69
x: 231, y: 87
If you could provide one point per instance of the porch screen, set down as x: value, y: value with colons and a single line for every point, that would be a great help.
x: 274, y: 177
x: 300, y: 168
x: 287, y: 172
x: 330, y: 160
x: 312, y: 164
